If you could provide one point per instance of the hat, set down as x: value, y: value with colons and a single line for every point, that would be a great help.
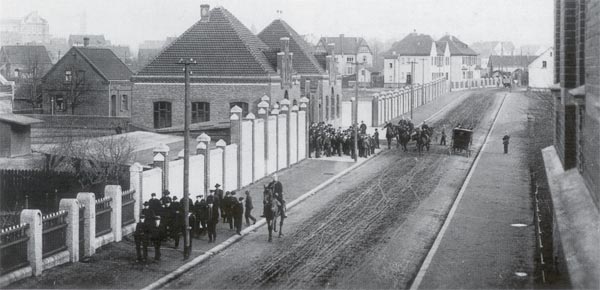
x: 166, y: 192
x: 146, y: 203
x: 217, y: 185
x: 153, y: 194
x: 233, y: 193
x: 247, y: 192
x: 174, y: 198
x: 198, y: 196
x: 241, y: 198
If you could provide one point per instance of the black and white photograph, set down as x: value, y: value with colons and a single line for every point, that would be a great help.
x: 299, y: 144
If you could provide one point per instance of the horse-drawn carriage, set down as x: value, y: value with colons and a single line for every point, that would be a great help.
x: 461, y: 141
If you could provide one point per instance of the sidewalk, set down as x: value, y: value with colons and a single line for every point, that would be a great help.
x: 114, y: 265
x: 490, y: 240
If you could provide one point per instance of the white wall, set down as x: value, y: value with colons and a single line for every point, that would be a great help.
x: 216, y: 168
x: 302, y: 135
x: 540, y: 76
x: 272, y: 141
x: 259, y: 149
x: 151, y: 183
x: 231, y: 165
x: 293, y: 137
x: 176, y: 178
x: 197, y: 174
x: 281, y: 142
x: 346, y: 118
x: 246, y: 153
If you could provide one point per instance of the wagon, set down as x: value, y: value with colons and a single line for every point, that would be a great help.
x: 461, y: 141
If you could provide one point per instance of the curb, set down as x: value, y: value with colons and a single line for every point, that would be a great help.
x: 225, y: 244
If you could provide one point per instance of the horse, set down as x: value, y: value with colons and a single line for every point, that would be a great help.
x: 423, y: 140
x: 390, y: 133
x: 403, y: 136
x: 272, y: 212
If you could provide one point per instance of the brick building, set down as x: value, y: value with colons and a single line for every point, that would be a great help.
x: 573, y: 163
x: 88, y: 81
x: 324, y: 89
x: 233, y: 67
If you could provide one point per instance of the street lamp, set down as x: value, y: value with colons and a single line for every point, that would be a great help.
x: 186, y: 156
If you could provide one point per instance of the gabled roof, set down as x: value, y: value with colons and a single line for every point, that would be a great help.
x: 412, y: 44
x: 440, y: 46
x: 457, y: 47
x: 103, y: 60
x: 24, y: 54
x: 345, y: 45
x: 304, y: 61
x: 221, y: 46
x: 499, y: 61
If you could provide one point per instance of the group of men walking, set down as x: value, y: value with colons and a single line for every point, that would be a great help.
x: 324, y: 139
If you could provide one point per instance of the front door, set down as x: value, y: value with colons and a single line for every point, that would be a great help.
x: 113, y: 105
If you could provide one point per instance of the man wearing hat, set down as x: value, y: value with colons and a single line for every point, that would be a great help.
x: 218, y: 195
x: 211, y: 222
x: 238, y: 213
x: 141, y: 238
x: 505, y: 140
x: 200, y: 210
x: 248, y: 209
x: 156, y: 237
x: 278, y: 193
x: 154, y: 204
x: 165, y: 197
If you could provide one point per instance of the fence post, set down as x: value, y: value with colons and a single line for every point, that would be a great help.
x: 135, y: 182
x: 235, y: 120
x: 203, y: 148
x: 71, y: 206
x: 304, y: 107
x: 88, y: 199
x: 116, y: 214
x: 161, y: 159
x: 33, y: 217
x: 223, y: 145
x: 285, y: 109
x: 263, y: 113
x: 275, y: 112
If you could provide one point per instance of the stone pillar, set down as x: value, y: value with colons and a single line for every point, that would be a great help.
x: 251, y: 117
x: 263, y: 109
x: 161, y: 160
x: 295, y: 109
x: 203, y: 148
x: 275, y: 112
x: 285, y: 109
x: 236, y: 137
x: 304, y: 106
x: 33, y: 217
x: 135, y: 182
x: 116, y: 215
x: 88, y: 199
x: 71, y: 206
x: 222, y: 144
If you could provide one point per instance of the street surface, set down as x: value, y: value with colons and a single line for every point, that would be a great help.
x: 372, y: 228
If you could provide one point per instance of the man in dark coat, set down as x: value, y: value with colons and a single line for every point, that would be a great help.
x: 363, y: 127
x: 165, y: 197
x: 248, y: 209
x: 238, y: 213
x: 376, y: 137
x: 156, y: 236
x: 201, y: 212
x: 211, y: 223
x: 218, y: 196
x: 154, y: 204
x: 148, y: 213
x: 505, y: 140
x: 230, y: 209
x: 278, y: 193
x: 176, y: 221
x: 142, y: 238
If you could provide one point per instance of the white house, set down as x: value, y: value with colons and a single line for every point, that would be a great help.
x: 465, y: 63
x: 541, y: 70
x: 347, y: 51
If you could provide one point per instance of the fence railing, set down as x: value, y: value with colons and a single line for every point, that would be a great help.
x: 103, y: 213
x: 54, y: 233
x: 9, y: 218
x: 13, y: 248
x: 128, y: 207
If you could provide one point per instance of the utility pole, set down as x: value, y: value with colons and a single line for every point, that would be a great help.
x: 355, y: 110
x: 186, y: 157
x: 423, y: 79
x: 412, y: 89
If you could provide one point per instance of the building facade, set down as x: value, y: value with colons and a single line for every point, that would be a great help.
x: 233, y: 67
x: 541, y: 70
x: 30, y: 29
x: 347, y: 50
x: 88, y: 81
x: 465, y: 63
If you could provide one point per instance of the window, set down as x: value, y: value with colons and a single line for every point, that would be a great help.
x: 124, y: 103
x: 200, y: 112
x: 68, y: 76
x: 242, y: 105
x: 59, y: 104
x: 364, y: 58
x: 162, y: 114
x: 391, y: 65
x: 350, y: 59
x: 349, y: 70
x: 362, y: 72
x: 544, y: 64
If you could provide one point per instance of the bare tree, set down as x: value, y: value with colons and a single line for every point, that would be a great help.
x: 30, y: 79
x: 95, y: 161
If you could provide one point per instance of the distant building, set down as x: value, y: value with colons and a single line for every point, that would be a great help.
x: 88, y: 81
x: 29, y: 29
x: 233, y: 68
x: 465, y: 63
x: 149, y: 49
x: 485, y: 49
x: 93, y: 40
x: 347, y: 50
x: 324, y: 89
x: 57, y: 47
x: 25, y: 65
x: 515, y: 66
x: 541, y: 70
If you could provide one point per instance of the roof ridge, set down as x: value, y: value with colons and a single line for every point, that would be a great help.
x: 258, y: 55
x: 304, y: 46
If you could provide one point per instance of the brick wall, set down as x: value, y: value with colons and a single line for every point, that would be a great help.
x: 568, y: 43
x: 218, y: 95
x: 557, y: 46
x: 591, y: 126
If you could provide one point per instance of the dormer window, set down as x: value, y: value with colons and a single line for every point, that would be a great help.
x: 68, y: 76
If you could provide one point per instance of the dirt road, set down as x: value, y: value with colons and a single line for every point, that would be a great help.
x: 370, y: 229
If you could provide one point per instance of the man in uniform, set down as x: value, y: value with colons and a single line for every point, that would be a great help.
x: 147, y: 212
x: 165, y: 197
x: 201, y: 212
x: 278, y: 193
x: 248, y: 209
x: 175, y: 221
x: 218, y: 196
x: 141, y: 238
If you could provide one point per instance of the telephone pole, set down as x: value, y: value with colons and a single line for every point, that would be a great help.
x: 186, y: 157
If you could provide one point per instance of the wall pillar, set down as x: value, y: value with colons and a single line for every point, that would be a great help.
x: 235, y: 120
x: 304, y: 106
x: 285, y: 109
x: 263, y: 109
x: 251, y: 118
x: 222, y: 144
x: 33, y: 217
x: 203, y: 148
x: 161, y: 160
x: 88, y: 199
x: 71, y: 206
x: 135, y: 182
x: 275, y: 112
x: 115, y: 192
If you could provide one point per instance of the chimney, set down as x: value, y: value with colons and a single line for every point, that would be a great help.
x: 342, y: 44
x: 204, y: 9
x: 86, y: 41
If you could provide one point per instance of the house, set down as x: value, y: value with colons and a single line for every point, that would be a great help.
x: 541, y: 70
x: 233, y: 67
x: 323, y: 89
x: 25, y: 65
x: 347, y: 50
x: 88, y: 81
x: 417, y: 58
x: 572, y: 163
x: 514, y: 66
x: 30, y: 29
x: 487, y: 48
x: 464, y: 61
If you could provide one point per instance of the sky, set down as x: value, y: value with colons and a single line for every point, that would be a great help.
x: 130, y: 22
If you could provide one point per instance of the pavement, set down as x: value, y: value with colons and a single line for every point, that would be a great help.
x: 488, y: 239
x: 114, y: 265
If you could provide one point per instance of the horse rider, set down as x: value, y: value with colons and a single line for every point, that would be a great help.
x: 278, y: 194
